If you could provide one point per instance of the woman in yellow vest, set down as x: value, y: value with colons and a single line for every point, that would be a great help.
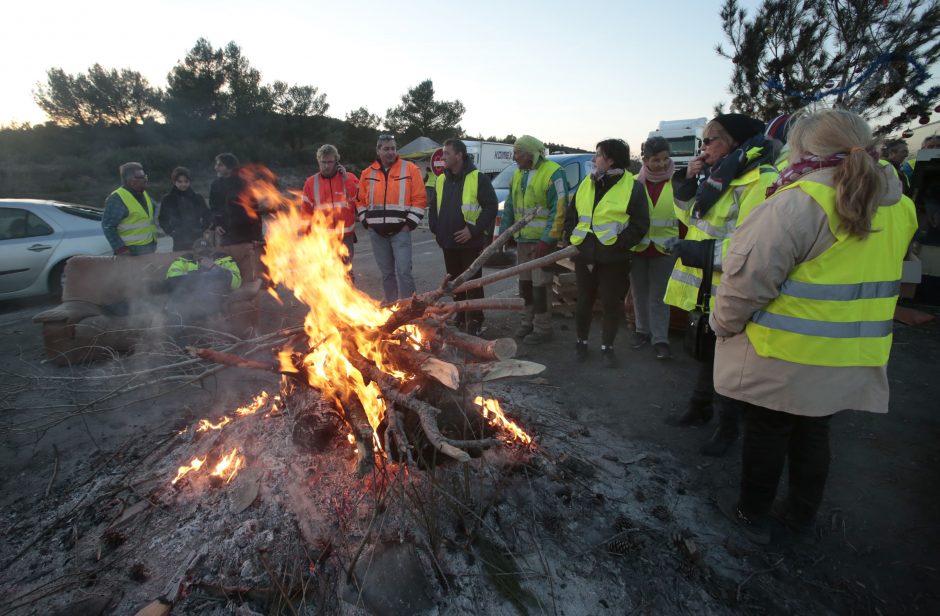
x: 608, y: 217
x: 737, y: 165
x: 804, y: 312
x: 652, y: 263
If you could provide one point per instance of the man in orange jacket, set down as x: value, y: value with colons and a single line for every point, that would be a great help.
x: 333, y: 192
x: 391, y: 203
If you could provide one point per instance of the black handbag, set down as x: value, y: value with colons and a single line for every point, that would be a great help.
x: 699, y: 338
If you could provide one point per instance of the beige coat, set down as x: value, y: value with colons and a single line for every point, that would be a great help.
x: 778, y: 235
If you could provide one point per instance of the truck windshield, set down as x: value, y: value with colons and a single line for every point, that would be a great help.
x: 682, y: 146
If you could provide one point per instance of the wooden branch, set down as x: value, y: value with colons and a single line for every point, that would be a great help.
x: 355, y: 415
x: 445, y: 373
x: 548, y: 259
x: 491, y: 371
x: 427, y: 414
x: 501, y: 348
x: 490, y: 250
x: 228, y: 359
x: 442, y: 311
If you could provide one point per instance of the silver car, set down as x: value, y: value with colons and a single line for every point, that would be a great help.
x: 38, y: 237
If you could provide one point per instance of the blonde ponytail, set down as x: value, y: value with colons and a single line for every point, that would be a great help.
x: 859, y: 181
x: 859, y: 184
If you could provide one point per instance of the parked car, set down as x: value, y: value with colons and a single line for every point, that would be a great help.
x: 38, y: 237
x: 576, y: 166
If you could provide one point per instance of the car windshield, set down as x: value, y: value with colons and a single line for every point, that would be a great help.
x: 682, y: 146
x: 82, y: 211
x: 504, y: 179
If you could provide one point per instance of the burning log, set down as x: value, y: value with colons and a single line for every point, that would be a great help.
x: 355, y: 415
x: 442, y: 311
x: 501, y: 348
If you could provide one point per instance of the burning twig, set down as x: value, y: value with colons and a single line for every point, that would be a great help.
x: 355, y: 416
x: 228, y: 359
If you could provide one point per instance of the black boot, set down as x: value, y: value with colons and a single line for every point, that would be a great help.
x: 724, y: 435
x: 699, y: 413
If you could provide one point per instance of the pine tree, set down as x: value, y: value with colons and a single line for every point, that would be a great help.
x: 870, y: 56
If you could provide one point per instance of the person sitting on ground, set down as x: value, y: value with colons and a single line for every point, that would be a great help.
x: 184, y: 214
x: 200, y: 281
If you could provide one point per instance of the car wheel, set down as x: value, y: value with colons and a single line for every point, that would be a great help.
x: 57, y: 280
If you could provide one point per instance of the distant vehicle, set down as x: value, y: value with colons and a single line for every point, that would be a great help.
x: 684, y: 137
x: 576, y: 167
x: 38, y: 237
x: 488, y: 156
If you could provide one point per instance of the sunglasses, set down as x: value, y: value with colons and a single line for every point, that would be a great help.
x: 709, y: 140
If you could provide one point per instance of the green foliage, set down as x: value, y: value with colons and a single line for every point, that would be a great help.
x: 363, y: 119
x: 194, y: 85
x: 421, y: 115
x: 99, y: 96
x: 813, y: 46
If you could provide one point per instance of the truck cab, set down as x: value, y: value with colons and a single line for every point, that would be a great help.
x: 684, y: 138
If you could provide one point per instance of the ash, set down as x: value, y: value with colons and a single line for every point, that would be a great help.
x: 578, y: 523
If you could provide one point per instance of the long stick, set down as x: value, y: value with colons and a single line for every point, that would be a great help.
x: 548, y: 259
x: 480, y: 261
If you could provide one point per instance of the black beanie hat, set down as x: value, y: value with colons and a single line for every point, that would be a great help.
x: 741, y: 127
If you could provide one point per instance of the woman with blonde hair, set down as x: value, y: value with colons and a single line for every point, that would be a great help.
x: 804, y: 313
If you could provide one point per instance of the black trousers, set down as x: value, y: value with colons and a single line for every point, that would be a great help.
x: 456, y: 262
x: 610, y: 280
x: 772, y: 438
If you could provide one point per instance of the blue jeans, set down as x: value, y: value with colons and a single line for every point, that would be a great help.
x: 393, y: 256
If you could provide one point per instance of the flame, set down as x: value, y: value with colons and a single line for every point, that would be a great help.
x: 228, y: 466
x: 311, y: 265
x: 491, y: 407
x: 252, y: 407
x: 205, y: 424
x: 195, y: 465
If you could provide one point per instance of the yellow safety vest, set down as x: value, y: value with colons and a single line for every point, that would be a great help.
x: 190, y: 263
x: 533, y: 199
x: 138, y: 227
x: 837, y: 309
x: 609, y: 218
x: 743, y: 194
x: 663, y: 221
x: 469, y: 205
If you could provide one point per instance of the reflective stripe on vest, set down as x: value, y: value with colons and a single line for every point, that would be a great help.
x: 533, y: 198
x: 837, y: 309
x: 663, y: 221
x: 318, y: 205
x: 469, y: 203
x: 735, y: 203
x: 138, y: 227
x: 609, y: 217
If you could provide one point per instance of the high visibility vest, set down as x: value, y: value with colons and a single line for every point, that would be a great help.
x: 609, y: 217
x: 743, y: 194
x: 533, y: 199
x: 663, y: 221
x: 469, y: 204
x: 344, y: 214
x: 190, y: 263
x: 138, y: 227
x: 837, y: 309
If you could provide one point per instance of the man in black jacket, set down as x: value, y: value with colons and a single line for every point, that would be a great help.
x: 461, y: 218
x: 234, y: 213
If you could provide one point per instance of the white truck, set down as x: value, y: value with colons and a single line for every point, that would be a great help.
x: 488, y: 156
x: 684, y: 137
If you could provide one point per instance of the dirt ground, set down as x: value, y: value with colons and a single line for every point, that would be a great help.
x: 614, y: 507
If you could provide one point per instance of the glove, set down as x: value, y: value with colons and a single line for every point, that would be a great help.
x: 122, y: 251
x: 542, y: 249
x: 693, y: 253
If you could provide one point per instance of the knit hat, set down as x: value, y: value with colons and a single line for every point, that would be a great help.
x: 739, y: 126
x: 528, y: 143
x: 778, y: 128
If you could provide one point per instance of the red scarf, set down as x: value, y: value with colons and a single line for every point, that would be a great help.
x: 808, y: 164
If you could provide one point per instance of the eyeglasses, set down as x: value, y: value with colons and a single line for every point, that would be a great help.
x: 386, y: 137
x: 709, y: 140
